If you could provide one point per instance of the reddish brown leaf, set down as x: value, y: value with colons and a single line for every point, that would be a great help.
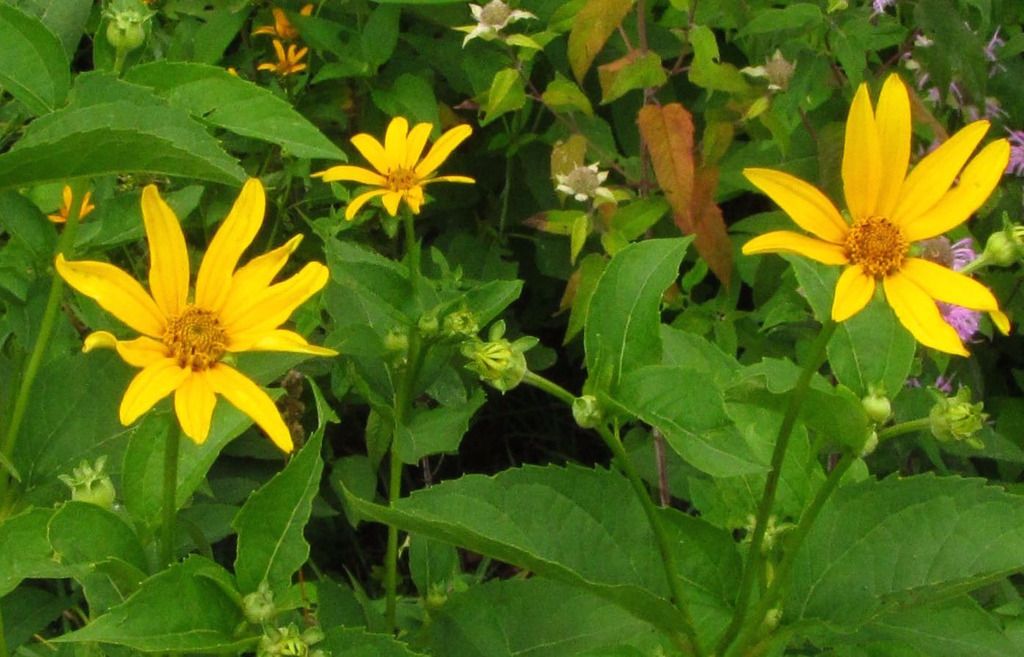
x: 591, y: 27
x: 712, y: 237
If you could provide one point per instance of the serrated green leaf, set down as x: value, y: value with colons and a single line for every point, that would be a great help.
x: 114, y: 138
x: 901, y: 541
x: 706, y: 70
x: 563, y: 95
x: 182, y: 609
x: 21, y: 219
x: 25, y: 550
x: 34, y: 68
x: 507, y: 94
x: 65, y: 18
x: 212, y: 95
x: 27, y: 611
x: 357, y: 642
x: 436, y: 430
x: 794, y: 16
x: 271, y: 545
x: 577, y: 526
x: 634, y: 71
x: 623, y: 318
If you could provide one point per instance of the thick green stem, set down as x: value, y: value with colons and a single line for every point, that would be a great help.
x: 170, y: 503
x: 755, y: 560
x: 412, y: 249
x: 612, y: 440
x: 792, y: 547
x: 904, y: 427
x: 35, y: 359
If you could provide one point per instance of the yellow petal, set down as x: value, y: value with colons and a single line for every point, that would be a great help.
x: 862, y: 157
x: 1001, y: 321
x: 194, y: 402
x: 116, y: 292
x: 933, y: 175
x: 391, y: 202
x: 394, y: 141
x: 67, y: 197
x: 351, y: 173
x: 272, y: 308
x: 140, y: 352
x: 454, y: 179
x: 249, y: 398
x: 358, y: 202
x: 803, y: 202
x: 414, y: 198
x: 149, y: 386
x: 918, y: 313
x: 255, y: 276
x: 279, y: 50
x: 281, y: 340
x: 977, y: 181
x: 784, y: 241
x: 374, y: 153
x: 418, y: 137
x: 894, y: 132
x: 233, y: 237
x: 949, y: 286
x: 853, y: 291
x: 168, y: 256
x: 442, y: 148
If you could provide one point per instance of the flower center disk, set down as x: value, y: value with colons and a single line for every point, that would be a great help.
x: 877, y: 245
x: 402, y: 179
x: 196, y: 338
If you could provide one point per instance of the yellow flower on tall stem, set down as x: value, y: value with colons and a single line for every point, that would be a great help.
x: 282, y: 27
x: 288, y: 63
x: 61, y: 216
x: 185, y: 338
x: 890, y: 210
x: 400, y: 174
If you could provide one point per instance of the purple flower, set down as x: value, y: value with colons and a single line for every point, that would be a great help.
x: 942, y: 384
x: 962, y: 253
x: 1016, y: 163
x: 994, y: 43
x: 964, y: 321
x: 879, y: 6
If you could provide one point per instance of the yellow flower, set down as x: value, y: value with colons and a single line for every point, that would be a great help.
x: 287, y: 62
x: 889, y: 210
x: 65, y: 207
x: 185, y: 340
x: 282, y: 27
x: 400, y: 173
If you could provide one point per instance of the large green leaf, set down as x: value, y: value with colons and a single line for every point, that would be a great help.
x: 34, y: 68
x: 623, y: 318
x: 436, y: 430
x: 116, y: 137
x: 271, y: 545
x: 25, y: 550
x: 186, y: 608
x: 357, y: 642
x: 65, y: 18
x: 84, y: 534
x: 904, y: 541
x: 536, y: 617
x: 578, y: 526
x: 211, y: 94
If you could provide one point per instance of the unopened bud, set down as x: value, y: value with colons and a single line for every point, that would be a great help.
x: 877, y: 405
x: 499, y: 362
x: 956, y: 419
x: 460, y: 324
x: 396, y: 341
x: 258, y: 607
x: 126, y: 29
x: 587, y: 411
x: 1003, y: 247
x: 90, y: 483
x: 428, y: 324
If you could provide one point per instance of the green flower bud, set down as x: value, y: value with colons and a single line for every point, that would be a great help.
x: 397, y: 341
x: 587, y: 411
x: 1001, y: 249
x: 428, y: 325
x: 126, y: 29
x: 288, y: 642
x: 90, y: 483
x: 956, y: 419
x: 499, y: 362
x: 437, y: 596
x: 259, y: 606
x: 877, y: 405
x: 460, y: 324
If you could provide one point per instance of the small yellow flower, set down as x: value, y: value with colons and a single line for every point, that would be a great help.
x: 184, y: 340
x: 282, y: 27
x: 61, y: 215
x: 400, y: 173
x: 287, y: 63
x: 890, y: 211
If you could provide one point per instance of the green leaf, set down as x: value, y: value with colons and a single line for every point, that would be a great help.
x: 211, y: 94
x: 357, y: 642
x: 34, y: 68
x: 84, y: 534
x: 25, y: 550
x: 706, y: 71
x: 182, y: 609
x: 795, y: 16
x: 690, y: 412
x: 903, y: 541
x: 431, y: 563
x: 114, y: 138
x: 507, y: 94
x: 623, y: 319
x: 562, y: 95
x: 271, y: 545
x: 379, y: 35
x: 436, y: 430
x: 577, y: 526
x: 586, y: 277
x: 65, y: 18
x: 634, y: 71
x: 591, y: 27
x: 21, y: 219
x: 27, y: 612
x: 536, y: 617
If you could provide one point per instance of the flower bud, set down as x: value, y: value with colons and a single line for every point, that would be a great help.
x: 259, y: 606
x: 397, y: 341
x: 428, y: 324
x: 90, y: 483
x: 460, y: 324
x: 288, y: 642
x: 956, y: 419
x: 1003, y: 247
x: 587, y: 411
x: 126, y: 29
x: 499, y: 362
x: 877, y: 405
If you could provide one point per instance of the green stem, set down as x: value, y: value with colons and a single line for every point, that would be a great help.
x: 904, y: 427
x: 412, y: 248
x: 170, y: 503
x: 64, y: 246
x: 796, y: 539
x: 755, y: 560
x: 120, y: 55
x: 614, y: 443
x: 3, y: 636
